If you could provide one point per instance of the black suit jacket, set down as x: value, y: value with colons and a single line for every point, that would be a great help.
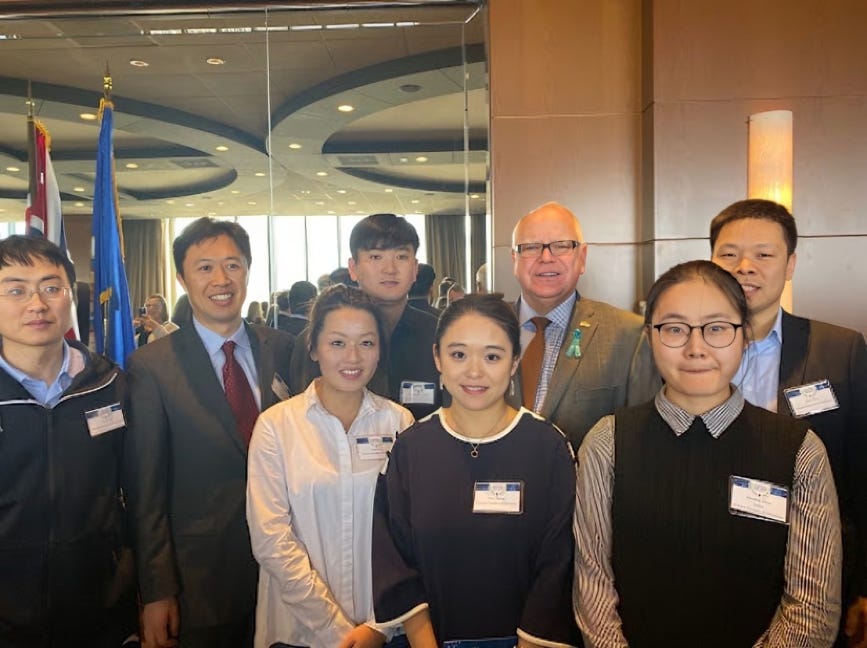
x: 812, y: 351
x: 187, y: 468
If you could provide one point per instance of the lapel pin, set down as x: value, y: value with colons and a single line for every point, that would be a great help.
x: 574, y: 350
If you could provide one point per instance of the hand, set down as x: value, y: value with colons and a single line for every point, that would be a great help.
x: 856, y: 623
x: 160, y: 623
x: 362, y: 636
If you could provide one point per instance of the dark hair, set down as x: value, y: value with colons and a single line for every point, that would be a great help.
x: 489, y: 305
x: 334, y: 298
x: 710, y: 273
x: 21, y: 250
x: 163, y: 305
x: 382, y: 232
x: 757, y: 208
x: 208, y: 228
x: 341, y: 276
x: 301, y: 296
x: 282, y: 299
x: 423, y: 281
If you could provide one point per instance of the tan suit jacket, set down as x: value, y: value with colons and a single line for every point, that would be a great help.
x: 615, y: 369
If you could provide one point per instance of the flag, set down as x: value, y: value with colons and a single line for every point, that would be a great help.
x: 112, y: 313
x: 44, y: 216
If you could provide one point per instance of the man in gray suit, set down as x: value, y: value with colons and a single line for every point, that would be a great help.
x: 195, y: 396
x: 589, y: 357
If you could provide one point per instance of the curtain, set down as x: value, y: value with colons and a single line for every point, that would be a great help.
x: 446, y: 246
x: 144, y: 258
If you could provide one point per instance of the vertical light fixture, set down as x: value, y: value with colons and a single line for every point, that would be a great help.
x: 769, y: 165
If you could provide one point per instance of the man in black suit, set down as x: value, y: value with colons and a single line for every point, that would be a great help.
x: 804, y: 368
x: 194, y: 398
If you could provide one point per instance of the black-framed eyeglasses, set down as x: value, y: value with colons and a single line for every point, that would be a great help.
x: 719, y: 335
x: 556, y: 248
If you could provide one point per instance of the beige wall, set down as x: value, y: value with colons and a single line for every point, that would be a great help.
x: 634, y: 114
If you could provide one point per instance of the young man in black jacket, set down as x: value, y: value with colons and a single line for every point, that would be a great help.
x: 66, y: 569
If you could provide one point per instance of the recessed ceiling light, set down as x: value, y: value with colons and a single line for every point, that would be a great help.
x: 341, y: 191
x: 131, y: 165
x: 474, y: 196
x: 378, y: 24
x: 295, y: 146
x: 389, y: 190
x: 222, y: 148
x: 235, y: 191
x: 321, y: 174
x: 3, y: 211
x: 138, y: 63
x: 320, y: 203
x: 414, y: 202
x: 212, y: 213
x: 305, y: 27
x: 189, y: 204
x: 87, y: 116
x: 13, y: 169
x: 306, y: 192
x: 331, y: 211
x: 345, y: 108
x: 251, y: 203
x: 351, y: 202
x: 421, y: 158
x: 409, y: 87
x: 259, y: 174
x: 404, y: 159
x: 79, y: 204
x: 78, y: 189
x: 215, y: 60
x: 170, y: 202
x: 343, y: 26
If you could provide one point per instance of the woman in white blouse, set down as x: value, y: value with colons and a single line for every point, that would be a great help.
x: 313, y: 464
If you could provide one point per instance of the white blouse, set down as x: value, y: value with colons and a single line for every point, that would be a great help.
x: 310, y: 489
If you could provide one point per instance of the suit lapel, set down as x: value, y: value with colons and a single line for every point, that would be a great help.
x: 793, y: 356
x: 583, y: 318
x: 196, y: 364
x: 263, y: 357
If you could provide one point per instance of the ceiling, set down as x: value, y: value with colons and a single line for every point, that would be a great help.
x: 192, y: 137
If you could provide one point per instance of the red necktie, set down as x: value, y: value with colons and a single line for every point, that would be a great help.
x: 239, y: 394
x: 531, y: 362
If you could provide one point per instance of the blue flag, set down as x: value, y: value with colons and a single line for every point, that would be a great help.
x: 112, y: 313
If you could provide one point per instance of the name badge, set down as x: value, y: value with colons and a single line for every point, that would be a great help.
x: 416, y: 392
x: 104, y: 419
x: 758, y: 499
x: 812, y: 398
x: 278, y: 386
x: 373, y: 448
x: 498, y: 497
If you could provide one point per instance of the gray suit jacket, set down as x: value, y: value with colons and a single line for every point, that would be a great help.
x: 187, y: 468
x: 615, y: 369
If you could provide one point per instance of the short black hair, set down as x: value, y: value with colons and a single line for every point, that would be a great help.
x: 282, y: 299
x: 207, y: 228
x: 757, y: 208
x: 21, y: 250
x: 336, y: 297
x: 423, y: 281
x: 301, y: 296
x: 382, y: 232
x: 489, y: 305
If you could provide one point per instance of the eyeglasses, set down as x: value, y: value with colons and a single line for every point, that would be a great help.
x: 556, y: 248
x: 47, y: 293
x: 719, y: 335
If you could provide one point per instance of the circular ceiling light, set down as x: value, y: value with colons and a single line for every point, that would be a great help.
x: 410, y: 87
x: 13, y: 169
x: 321, y: 174
x: 295, y: 146
x: 252, y: 203
x: 474, y: 196
x: 138, y: 63
x: 87, y: 116
x: 222, y: 148
x: 404, y: 159
x: 421, y: 158
x: 235, y: 191
x: 320, y: 203
x: 189, y: 205
x: 341, y: 191
x: 170, y: 202
x: 351, y: 202
x: 414, y: 202
x: 79, y: 204
x: 259, y: 174
x: 215, y: 60
x: 131, y: 165
x: 345, y: 108
x: 78, y: 189
x: 389, y: 190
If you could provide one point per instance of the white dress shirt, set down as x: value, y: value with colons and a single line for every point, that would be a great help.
x: 310, y: 512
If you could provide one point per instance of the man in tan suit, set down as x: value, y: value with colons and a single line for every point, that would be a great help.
x: 590, y: 357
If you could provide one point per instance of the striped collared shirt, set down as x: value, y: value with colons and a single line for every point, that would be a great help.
x: 559, y: 317
x: 809, y: 610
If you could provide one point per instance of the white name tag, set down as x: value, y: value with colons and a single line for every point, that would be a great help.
x: 812, y: 398
x: 758, y: 499
x: 415, y: 392
x: 278, y: 386
x: 373, y: 448
x: 104, y: 419
x: 498, y: 497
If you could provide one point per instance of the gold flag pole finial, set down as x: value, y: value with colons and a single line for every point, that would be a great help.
x: 106, y: 83
x: 29, y: 99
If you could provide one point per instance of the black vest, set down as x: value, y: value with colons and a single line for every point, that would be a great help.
x: 688, y: 572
